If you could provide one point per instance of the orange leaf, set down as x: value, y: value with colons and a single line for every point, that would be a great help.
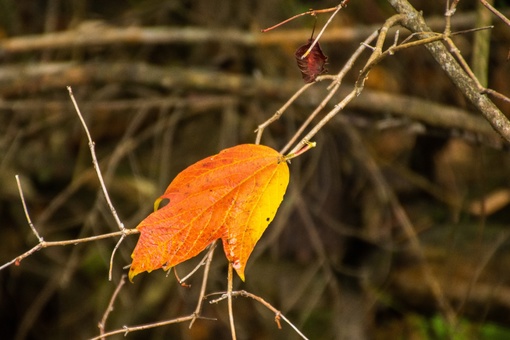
x: 233, y: 195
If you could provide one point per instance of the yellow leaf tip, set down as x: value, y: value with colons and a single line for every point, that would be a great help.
x: 239, y: 269
x: 131, y: 275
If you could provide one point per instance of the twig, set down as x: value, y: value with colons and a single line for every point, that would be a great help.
x: 229, y: 297
x: 127, y: 329
x: 321, y: 32
x: 496, y: 12
x: 27, y: 215
x: 201, y: 296
x: 192, y: 318
x: 496, y: 94
x: 415, y: 23
x: 333, y: 88
x: 102, y: 323
x: 308, y: 146
x: 46, y: 244
x: 340, y: 106
x: 311, y: 12
x: 278, y: 314
x: 101, y: 180
x: 200, y: 264
x: 110, y: 270
x: 279, y: 112
x: 94, y: 161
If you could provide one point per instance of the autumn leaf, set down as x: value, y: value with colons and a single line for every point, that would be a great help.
x: 312, y: 65
x: 233, y: 195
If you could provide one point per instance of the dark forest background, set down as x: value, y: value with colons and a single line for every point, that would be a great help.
x: 189, y: 78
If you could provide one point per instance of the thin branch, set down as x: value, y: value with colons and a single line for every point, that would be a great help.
x: 207, y: 269
x: 279, y: 112
x: 310, y: 12
x: 230, y: 280
x: 113, y: 255
x: 374, y: 57
x: 192, y: 318
x: 333, y: 88
x: 94, y: 161
x: 46, y: 244
x: 496, y: 94
x: 278, y: 314
x: 321, y: 32
x: 496, y: 12
x: 415, y: 23
x: 27, y: 215
x: 101, y: 180
x: 109, y: 309
x: 128, y: 329
x: 308, y: 146
x: 340, y: 106
x: 200, y: 264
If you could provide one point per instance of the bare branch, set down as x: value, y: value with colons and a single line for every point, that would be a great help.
x: 414, y: 22
x: 27, y: 215
x: 496, y: 12
x: 321, y: 32
x: 333, y: 88
x: 128, y: 329
x: 207, y: 268
x: 109, y: 309
x: 230, y: 279
x: 311, y: 12
x: 94, y: 161
x: 46, y: 244
x: 278, y: 314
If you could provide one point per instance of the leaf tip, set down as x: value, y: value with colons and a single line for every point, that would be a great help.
x: 131, y: 275
x: 239, y: 269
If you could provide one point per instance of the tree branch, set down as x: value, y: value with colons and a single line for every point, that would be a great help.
x: 414, y: 21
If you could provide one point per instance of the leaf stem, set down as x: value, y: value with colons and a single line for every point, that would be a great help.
x: 229, y: 295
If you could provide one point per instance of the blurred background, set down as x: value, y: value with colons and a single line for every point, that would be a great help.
x: 395, y: 226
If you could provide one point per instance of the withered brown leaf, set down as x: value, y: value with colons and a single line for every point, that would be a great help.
x: 312, y: 65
